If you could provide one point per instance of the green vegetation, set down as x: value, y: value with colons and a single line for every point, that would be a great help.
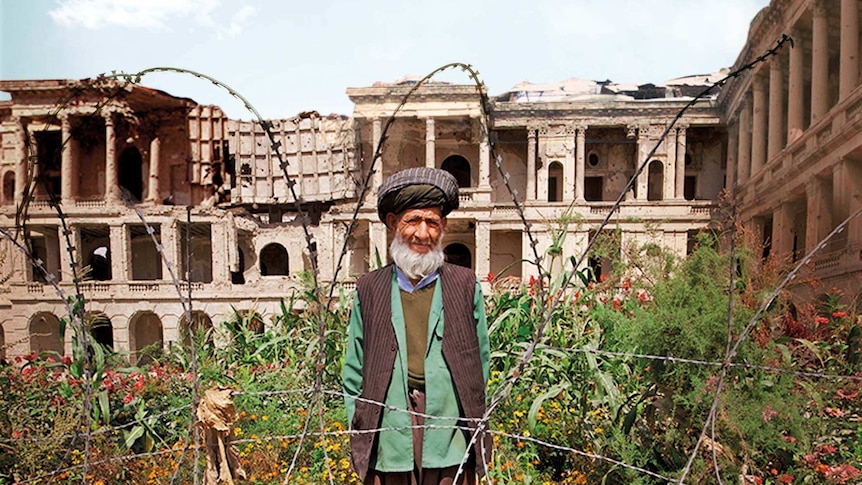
x: 588, y: 387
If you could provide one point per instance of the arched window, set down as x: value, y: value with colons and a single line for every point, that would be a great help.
x: 131, y: 176
x: 44, y: 330
x: 459, y: 167
x: 457, y: 253
x: 555, y: 182
x: 655, y: 182
x: 9, y: 188
x: 100, y: 328
x: 273, y: 260
x: 199, y: 328
x: 146, y: 338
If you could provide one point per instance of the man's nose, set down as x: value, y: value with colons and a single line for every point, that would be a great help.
x: 422, y: 231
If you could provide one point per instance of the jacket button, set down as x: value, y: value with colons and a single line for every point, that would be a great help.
x: 394, y: 348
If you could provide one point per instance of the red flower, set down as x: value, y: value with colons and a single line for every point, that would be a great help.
x: 490, y: 277
x: 627, y: 284
x: 67, y: 360
x: 577, y: 295
x: 602, y: 278
x: 533, y: 280
x: 839, y: 314
x: 785, y: 478
x: 821, y: 320
x: 129, y: 398
x: 617, y: 304
x: 139, y: 384
x: 825, y: 449
x: 848, y: 395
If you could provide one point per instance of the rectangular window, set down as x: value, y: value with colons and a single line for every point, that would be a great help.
x: 689, y: 190
x: 594, y: 189
x: 196, y: 246
x: 146, y: 261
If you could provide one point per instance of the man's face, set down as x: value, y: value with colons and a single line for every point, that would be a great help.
x: 420, y: 229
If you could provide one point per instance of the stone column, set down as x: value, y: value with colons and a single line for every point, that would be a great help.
x: 743, y: 158
x: 580, y: 166
x: 542, y: 172
x: 782, y: 223
x: 170, y: 239
x: 65, y: 259
x: 680, y: 163
x: 377, y: 242
x: 119, y: 254
x: 430, y: 150
x: 484, y: 189
x: 22, y: 159
x: 819, y: 61
x: 669, y: 167
x: 776, y: 108
x: 111, y: 175
x: 643, y: 178
x: 853, y: 179
x: 376, y: 131
x: 531, y: 163
x: 67, y: 171
x: 483, y: 249
x: 570, y: 170
x: 848, y: 77
x: 819, y: 217
x: 153, y: 189
x: 758, y: 135
x: 796, y: 90
x: 732, y: 155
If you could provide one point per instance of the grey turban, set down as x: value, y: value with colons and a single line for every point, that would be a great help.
x: 416, y: 188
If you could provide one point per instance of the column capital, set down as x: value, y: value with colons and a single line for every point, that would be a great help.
x: 631, y: 131
x: 108, y: 117
x: 544, y: 129
x: 570, y: 129
x: 532, y: 126
x: 531, y: 133
x: 819, y: 8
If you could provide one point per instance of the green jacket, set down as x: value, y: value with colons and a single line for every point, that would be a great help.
x: 441, y: 447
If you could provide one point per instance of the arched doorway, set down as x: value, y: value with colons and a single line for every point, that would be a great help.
x: 655, y: 182
x: 100, y: 328
x: 457, y: 253
x: 459, y: 167
x: 9, y: 188
x: 145, y: 330
x: 2, y: 345
x: 44, y: 331
x: 131, y: 175
x: 273, y: 260
x: 200, y: 328
x: 555, y: 182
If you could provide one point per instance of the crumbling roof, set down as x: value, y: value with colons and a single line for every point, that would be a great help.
x: 576, y: 89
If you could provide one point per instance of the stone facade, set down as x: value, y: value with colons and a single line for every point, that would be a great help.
x: 786, y: 142
x: 795, y: 146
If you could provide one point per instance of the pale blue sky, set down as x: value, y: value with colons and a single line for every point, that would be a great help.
x: 287, y: 56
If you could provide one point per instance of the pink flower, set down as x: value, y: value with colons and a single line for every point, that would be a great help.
x: 790, y: 439
x: 825, y: 449
x: 841, y: 474
x: 847, y: 395
x: 769, y: 413
x: 834, y: 412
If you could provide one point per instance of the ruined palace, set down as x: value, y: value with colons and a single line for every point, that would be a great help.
x: 136, y: 171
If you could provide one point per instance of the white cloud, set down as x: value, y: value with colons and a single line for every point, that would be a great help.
x: 144, y: 14
x: 239, y: 20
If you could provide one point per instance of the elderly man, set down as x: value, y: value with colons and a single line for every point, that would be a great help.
x: 418, y: 342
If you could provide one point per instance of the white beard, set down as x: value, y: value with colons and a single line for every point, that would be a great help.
x: 414, y: 265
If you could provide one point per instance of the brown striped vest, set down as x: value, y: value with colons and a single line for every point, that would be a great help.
x: 460, y: 351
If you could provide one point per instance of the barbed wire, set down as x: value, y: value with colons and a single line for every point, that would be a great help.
x: 317, y: 391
